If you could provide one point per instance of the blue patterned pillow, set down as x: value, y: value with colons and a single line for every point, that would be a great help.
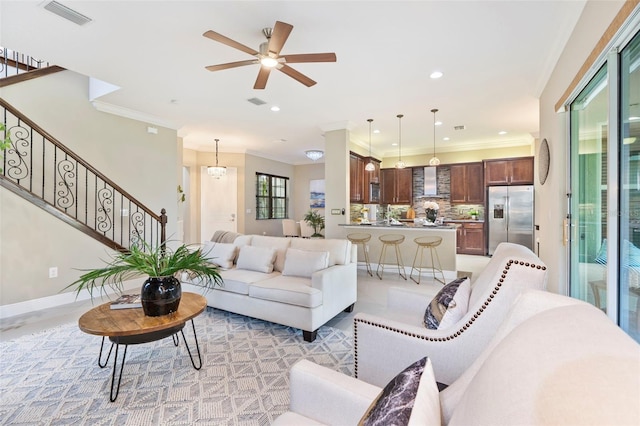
x: 443, y: 301
x: 411, y: 398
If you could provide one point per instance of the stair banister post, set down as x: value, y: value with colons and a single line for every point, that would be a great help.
x: 163, y: 227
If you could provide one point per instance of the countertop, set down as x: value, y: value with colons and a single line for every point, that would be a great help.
x: 400, y: 226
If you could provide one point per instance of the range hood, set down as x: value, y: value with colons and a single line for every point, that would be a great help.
x: 430, y: 181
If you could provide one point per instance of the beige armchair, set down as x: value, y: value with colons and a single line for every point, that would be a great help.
x: 290, y: 228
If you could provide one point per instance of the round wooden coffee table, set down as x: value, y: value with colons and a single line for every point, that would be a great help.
x: 131, y: 327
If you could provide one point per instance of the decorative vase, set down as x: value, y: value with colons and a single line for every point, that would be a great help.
x: 431, y: 215
x: 160, y: 295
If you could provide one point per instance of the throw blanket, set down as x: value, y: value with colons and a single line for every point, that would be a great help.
x: 224, y: 236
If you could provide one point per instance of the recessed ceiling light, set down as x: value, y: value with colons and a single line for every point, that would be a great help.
x: 376, y: 131
x: 502, y: 132
x: 394, y: 144
x: 275, y: 108
x: 436, y: 74
x: 438, y: 123
x: 445, y: 138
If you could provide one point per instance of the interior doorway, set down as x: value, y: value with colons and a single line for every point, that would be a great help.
x: 219, y: 203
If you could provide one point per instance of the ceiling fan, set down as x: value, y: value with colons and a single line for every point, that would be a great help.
x: 269, y: 55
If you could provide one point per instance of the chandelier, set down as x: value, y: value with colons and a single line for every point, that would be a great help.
x: 400, y: 164
x: 314, y: 154
x: 370, y: 167
x: 435, y: 161
x: 217, y: 171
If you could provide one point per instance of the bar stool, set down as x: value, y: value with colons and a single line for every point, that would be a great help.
x: 362, y: 239
x: 391, y: 240
x: 431, y: 243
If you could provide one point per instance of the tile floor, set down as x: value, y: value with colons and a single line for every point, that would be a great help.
x: 372, y: 293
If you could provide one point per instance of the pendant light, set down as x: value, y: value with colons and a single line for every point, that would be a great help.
x: 217, y: 171
x: 400, y: 164
x: 435, y: 161
x: 314, y: 154
x: 370, y: 167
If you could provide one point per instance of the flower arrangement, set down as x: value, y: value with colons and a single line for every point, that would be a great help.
x: 431, y: 205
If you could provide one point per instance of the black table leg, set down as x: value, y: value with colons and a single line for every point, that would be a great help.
x: 195, y: 336
x: 100, y: 363
x: 113, y: 397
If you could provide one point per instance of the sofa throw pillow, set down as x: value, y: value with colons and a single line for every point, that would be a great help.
x: 221, y: 254
x: 303, y: 263
x: 446, y: 300
x: 258, y: 259
x: 410, y: 398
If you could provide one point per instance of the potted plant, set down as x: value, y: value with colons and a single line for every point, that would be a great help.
x: 316, y: 221
x: 161, y: 291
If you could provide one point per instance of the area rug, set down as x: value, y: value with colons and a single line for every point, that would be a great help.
x: 52, y: 378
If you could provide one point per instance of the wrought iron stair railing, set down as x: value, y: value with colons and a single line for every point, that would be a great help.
x: 42, y: 170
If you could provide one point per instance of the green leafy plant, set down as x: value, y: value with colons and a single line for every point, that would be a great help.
x: 316, y: 221
x: 153, y: 262
x: 5, y: 142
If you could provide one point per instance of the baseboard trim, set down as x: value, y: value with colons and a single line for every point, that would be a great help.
x: 54, y: 301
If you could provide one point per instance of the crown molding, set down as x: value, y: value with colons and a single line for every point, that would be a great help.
x: 133, y: 114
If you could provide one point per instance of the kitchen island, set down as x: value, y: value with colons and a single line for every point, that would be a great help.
x: 446, y: 250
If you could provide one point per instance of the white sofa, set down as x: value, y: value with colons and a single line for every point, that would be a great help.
x: 386, y: 343
x: 554, y: 361
x: 301, y: 283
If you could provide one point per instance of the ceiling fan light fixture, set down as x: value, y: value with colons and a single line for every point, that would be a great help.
x: 400, y: 164
x: 217, y: 171
x: 434, y: 161
x: 314, y: 154
x: 269, y: 62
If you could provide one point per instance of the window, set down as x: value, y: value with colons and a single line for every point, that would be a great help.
x: 272, y: 196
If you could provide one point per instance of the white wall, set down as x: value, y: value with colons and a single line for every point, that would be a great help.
x: 145, y: 165
x: 551, y: 201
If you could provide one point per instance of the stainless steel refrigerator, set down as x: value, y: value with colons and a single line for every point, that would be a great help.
x: 510, y: 215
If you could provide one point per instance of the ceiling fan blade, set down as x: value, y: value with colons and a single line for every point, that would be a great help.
x: 279, y: 36
x: 310, y: 57
x: 263, y: 75
x: 231, y: 43
x: 231, y: 65
x: 297, y: 75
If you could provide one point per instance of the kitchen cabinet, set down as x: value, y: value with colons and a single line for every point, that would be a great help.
x: 396, y: 186
x: 372, y: 182
x: 467, y: 183
x: 360, y: 180
x: 356, y: 178
x: 509, y: 171
x: 470, y: 238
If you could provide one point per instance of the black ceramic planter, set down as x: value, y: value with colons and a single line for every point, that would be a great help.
x: 160, y: 295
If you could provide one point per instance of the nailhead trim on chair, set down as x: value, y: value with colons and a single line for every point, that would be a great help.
x: 453, y: 335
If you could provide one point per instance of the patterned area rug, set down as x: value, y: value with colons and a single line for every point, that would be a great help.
x: 52, y: 378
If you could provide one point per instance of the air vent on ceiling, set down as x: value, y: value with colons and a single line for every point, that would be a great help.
x: 256, y: 101
x: 67, y: 13
x: 458, y: 127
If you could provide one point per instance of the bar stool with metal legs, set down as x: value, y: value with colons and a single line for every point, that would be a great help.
x: 362, y: 239
x: 431, y: 243
x: 391, y: 240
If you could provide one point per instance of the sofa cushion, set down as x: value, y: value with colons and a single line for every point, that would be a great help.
x: 280, y: 244
x: 259, y: 259
x: 221, y: 254
x: 445, y: 301
x: 303, y: 263
x: 291, y: 290
x: 411, y: 398
x: 238, y: 280
x: 339, y: 250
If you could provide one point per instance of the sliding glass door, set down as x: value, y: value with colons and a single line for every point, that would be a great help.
x: 588, y: 200
x: 629, y: 169
x: 604, y: 190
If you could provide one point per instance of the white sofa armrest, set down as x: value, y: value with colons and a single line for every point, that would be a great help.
x: 328, y: 396
x: 339, y: 287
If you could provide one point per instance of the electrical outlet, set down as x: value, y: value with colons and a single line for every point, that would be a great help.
x: 53, y: 272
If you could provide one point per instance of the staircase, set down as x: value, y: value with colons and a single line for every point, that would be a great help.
x: 40, y: 169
